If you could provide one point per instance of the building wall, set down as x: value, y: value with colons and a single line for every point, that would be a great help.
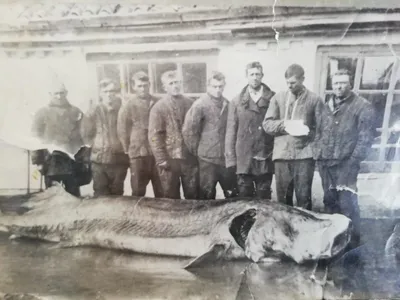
x: 29, y: 72
x: 25, y: 85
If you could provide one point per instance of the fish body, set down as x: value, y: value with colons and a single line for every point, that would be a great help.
x: 204, y: 230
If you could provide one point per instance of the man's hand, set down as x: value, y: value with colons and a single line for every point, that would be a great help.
x: 232, y: 169
x: 164, y: 165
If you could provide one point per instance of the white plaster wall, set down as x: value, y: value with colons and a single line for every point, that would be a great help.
x: 25, y: 83
x: 24, y: 89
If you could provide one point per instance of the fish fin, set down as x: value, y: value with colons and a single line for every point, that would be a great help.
x: 269, y: 260
x: 14, y: 237
x: 62, y: 245
x: 211, y: 255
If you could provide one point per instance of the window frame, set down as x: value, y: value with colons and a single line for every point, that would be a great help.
x: 360, y: 52
x: 210, y: 58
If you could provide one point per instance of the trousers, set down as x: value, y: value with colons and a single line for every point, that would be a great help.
x: 108, y: 179
x: 143, y: 170
x: 185, y: 171
x: 255, y: 185
x: 339, y: 183
x: 210, y: 174
x: 294, y: 176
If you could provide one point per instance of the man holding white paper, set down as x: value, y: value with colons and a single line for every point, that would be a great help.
x: 291, y: 118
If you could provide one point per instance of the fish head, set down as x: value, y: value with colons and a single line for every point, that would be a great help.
x: 299, y: 234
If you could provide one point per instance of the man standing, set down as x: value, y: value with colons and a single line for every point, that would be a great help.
x: 174, y: 161
x: 293, y: 156
x: 133, y: 128
x: 58, y: 124
x: 248, y: 148
x: 345, y: 128
x: 204, y: 134
x: 99, y: 129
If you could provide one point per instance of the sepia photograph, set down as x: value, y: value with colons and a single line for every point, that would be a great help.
x: 179, y: 150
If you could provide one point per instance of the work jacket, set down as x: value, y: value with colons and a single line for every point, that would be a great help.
x: 346, y: 132
x: 285, y: 106
x: 204, y: 129
x: 58, y: 125
x: 99, y: 130
x: 133, y: 126
x: 245, y: 138
x: 165, y: 128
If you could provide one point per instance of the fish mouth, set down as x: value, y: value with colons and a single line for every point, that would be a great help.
x: 241, y: 225
x: 341, y: 241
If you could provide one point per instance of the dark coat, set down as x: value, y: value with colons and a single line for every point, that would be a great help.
x: 58, y: 125
x: 347, y: 133
x: 99, y: 129
x: 165, y: 128
x: 287, y: 147
x: 205, y: 128
x: 245, y: 137
x: 133, y: 126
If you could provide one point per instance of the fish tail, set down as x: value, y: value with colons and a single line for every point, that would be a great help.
x: 3, y: 227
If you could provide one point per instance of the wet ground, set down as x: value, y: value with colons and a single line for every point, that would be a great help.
x: 37, y: 268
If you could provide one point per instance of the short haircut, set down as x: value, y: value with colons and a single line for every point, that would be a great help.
x: 342, y: 72
x: 254, y: 64
x: 169, y: 75
x: 217, y: 76
x: 140, y: 76
x: 294, y: 70
x: 106, y: 82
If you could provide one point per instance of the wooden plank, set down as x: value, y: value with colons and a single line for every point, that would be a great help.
x: 186, y: 16
x: 106, y: 40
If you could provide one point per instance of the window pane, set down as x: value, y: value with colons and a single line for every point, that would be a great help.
x: 194, y: 77
x: 160, y: 69
x: 336, y: 63
x: 373, y: 154
x: 379, y: 102
x: 397, y: 85
x: 392, y: 154
x: 376, y: 73
x: 111, y: 71
x: 130, y: 70
x: 395, y: 110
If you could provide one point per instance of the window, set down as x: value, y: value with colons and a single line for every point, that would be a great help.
x: 376, y: 77
x: 193, y: 66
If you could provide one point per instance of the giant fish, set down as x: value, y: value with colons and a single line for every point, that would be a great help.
x: 201, y: 230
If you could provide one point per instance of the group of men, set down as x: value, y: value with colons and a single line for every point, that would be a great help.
x: 240, y: 144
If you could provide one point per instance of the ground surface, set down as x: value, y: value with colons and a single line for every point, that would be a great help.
x: 87, y: 273
x: 33, y: 267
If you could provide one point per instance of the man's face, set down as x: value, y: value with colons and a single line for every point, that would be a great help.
x: 215, y: 88
x: 59, y: 96
x: 295, y: 84
x: 254, y: 77
x: 172, y: 86
x: 108, y: 96
x: 341, y: 85
x: 141, y: 88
